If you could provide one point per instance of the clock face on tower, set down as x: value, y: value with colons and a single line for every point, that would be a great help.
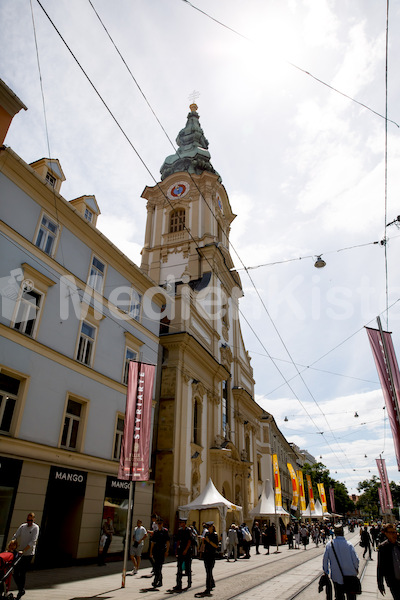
x: 178, y: 190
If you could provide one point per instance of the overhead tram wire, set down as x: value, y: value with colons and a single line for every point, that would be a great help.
x: 158, y: 185
x: 45, y: 117
x: 293, y: 65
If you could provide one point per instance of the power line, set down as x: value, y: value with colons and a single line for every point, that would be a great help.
x: 293, y: 65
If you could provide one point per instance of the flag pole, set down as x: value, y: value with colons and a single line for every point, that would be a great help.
x: 128, y: 531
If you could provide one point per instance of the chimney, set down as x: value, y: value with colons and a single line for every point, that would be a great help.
x: 10, y: 105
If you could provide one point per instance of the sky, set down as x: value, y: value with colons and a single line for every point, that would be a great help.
x: 303, y: 165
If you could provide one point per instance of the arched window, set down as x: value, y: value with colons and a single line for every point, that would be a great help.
x: 177, y: 220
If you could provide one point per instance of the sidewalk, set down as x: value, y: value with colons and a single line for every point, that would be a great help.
x: 91, y: 582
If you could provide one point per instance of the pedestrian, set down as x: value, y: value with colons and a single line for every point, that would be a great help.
x: 138, y: 537
x: 256, y: 531
x: 340, y: 557
x: 7, y: 559
x: 246, y: 540
x: 365, y: 542
x: 26, y: 536
x: 304, y: 536
x: 184, y: 539
x: 210, y: 550
x: 315, y: 535
x: 389, y: 562
x: 105, y: 541
x: 159, y: 549
x: 232, y: 543
x: 296, y: 535
x: 374, y: 535
x: 289, y: 536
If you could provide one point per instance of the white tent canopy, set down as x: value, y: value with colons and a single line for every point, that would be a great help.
x: 317, y: 513
x: 210, y: 498
x: 266, y: 505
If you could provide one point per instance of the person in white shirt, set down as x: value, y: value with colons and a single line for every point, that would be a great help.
x: 26, y: 536
x: 138, y: 538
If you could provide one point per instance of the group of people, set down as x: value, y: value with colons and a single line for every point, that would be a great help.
x: 341, y: 561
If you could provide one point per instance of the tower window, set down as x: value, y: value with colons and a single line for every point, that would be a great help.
x: 50, y: 179
x: 177, y: 220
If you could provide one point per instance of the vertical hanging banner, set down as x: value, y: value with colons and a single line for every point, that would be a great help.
x: 387, y: 494
x: 332, y: 499
x: 277, y: 479
x: 135, y: 447
x: 382, y: 500
x: 303, y: 505
x: 322, y: 495
x: 295, y: 487
x: 310, y: 494
x: 385, y: 366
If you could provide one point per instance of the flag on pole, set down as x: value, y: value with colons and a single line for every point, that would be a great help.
x: 322, y: 495
x: 382, y: 499
x: 303, y: 506
x: 278, y: 490
x: 387, y: 494
x: 332, y: 499
x: 388, y: 371
x: 310, y: 494
x: 295, y: 487
x: 135, y: 448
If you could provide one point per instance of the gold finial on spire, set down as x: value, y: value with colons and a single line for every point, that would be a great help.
x: 192, y: 97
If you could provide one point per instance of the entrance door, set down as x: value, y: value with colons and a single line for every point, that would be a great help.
x: 62, y: 516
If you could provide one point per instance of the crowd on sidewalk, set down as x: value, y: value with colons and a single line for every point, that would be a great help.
x: 339, y: 563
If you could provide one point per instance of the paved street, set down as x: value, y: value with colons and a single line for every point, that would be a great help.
x: 277, y: 576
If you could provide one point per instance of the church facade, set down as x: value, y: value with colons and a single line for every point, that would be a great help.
x: 208, y: 422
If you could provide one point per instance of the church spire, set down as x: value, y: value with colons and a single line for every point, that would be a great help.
x: 192, y: 154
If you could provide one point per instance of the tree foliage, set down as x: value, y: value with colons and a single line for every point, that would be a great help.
x: 320, y: 474
x: 368, y: 501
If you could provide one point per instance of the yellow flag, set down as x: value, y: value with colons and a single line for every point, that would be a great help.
x: 300, y: 479
x: 295, y: 487
x: 278, y: 491
x: 322, y: 495
x: 310, y: 494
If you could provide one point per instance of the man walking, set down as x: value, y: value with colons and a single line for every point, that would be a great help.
x: 365, y: 539
x: 139, y: 535
x: 340, y: 557
x: 26, y: 536
x: 184, y: 540
x: 159, y: 548
x: 389, y: 562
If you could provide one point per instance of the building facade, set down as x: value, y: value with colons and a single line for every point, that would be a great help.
x: 71, y: 320
x: 208, y: 423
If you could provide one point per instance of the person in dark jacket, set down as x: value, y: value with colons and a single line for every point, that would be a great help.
x: 159, y: 548
x: 256, y: 531
x: 366, y: 542
x: 389, y: 562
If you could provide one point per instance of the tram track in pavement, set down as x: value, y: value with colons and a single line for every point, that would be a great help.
x: 247, y: 582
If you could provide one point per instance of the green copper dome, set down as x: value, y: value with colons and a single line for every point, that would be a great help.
x: 192, y: 154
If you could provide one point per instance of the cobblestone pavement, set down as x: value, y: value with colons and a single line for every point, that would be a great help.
x: 276, y: 576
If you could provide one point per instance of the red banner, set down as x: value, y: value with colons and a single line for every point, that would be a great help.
x: 382, y: 500
x: 135, y: 447
x: 332, y: 499
x: 391, y: 395
x: 387, y: 494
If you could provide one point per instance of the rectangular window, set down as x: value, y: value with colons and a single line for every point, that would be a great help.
x: 47, y: 235
x: 50, y: 179
x: 27, y: 311
x: 119, y: 431
x: 96, y: 276
x: 86, y: 344
x: 9, y: 388
x: 136, y: 303
x: 72, y: 422
x: 129, y: 355
x: 88, y: 215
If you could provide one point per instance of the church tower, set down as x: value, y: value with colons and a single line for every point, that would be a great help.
x: 208, y: 422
